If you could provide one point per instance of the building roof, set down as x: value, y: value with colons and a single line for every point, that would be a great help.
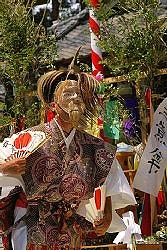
x: 74, y: 32
x: 79, y: 36
x: 71, y: 34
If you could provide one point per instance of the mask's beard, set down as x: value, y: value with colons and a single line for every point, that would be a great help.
x: 74, y: 117
x: 75, y: 113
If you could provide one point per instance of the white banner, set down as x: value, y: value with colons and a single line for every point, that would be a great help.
x: 154, y: 159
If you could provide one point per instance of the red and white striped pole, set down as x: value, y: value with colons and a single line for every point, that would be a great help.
x: 96, y: 54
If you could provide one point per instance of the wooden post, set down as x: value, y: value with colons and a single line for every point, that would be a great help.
x: 55, y: 10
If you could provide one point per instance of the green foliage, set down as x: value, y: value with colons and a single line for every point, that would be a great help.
x: 25, y: 50
x: 160, y: 235
x: 134, y: 42
x: 133, y: 39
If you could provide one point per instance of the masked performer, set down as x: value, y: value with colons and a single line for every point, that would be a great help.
x: 63, y: 173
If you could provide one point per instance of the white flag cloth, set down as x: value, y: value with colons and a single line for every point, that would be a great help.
x: 154, y: 159
x: 132, y: 229
x: 9, y: 182
x: 19, y: 234
x: 121, y: 194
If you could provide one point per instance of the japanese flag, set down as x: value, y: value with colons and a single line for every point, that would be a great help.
x: 154, y: 159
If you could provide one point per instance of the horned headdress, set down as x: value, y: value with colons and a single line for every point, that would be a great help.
x: 50, y: 81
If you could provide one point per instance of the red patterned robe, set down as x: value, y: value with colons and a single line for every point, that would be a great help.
x: 56, y: 180
x: 7, y: 206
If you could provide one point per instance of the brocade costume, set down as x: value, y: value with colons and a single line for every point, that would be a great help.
x: 57, y: 179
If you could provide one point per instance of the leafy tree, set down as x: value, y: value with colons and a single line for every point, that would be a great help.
x: 133, y: 37
x: 26, y: 52
x: 134, y: 41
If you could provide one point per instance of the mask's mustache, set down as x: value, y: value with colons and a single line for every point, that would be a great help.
x: 76, y: 107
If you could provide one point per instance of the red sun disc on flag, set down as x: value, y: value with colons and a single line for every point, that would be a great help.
x: 22, y: 140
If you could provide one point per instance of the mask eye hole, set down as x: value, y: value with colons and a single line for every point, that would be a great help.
x: 67, y: 94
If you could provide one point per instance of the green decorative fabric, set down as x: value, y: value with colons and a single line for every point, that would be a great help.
x: 111, y: 122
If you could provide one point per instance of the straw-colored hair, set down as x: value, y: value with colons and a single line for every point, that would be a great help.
x: 50, y: 81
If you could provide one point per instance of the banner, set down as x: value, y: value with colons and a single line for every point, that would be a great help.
x: 154, y: 159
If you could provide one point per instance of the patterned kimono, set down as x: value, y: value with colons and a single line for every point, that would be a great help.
x: 57, y: 179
